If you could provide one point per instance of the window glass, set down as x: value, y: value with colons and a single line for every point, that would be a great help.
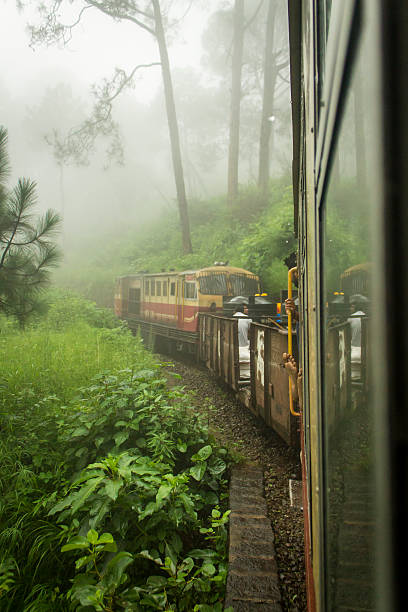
x: 214, y: 284
x: 241, y: 284
x: 165, y: 287
x: 323, y: 20
x: 147, y: 287
x: 347, y: 214
x: 173, y: 289
x: 158, y: 287
x: 190, y: 290
x: 152, y: 288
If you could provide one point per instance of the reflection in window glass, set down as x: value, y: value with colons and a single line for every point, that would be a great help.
x: 152, y: 288
x: 214, y: 284
x: 347, y: 404
x: 243, y: 285
x: 165, y: 288
x: 323, y: 13
x: 173, y: 289
x: 146, y: 287
x: 158, y: 287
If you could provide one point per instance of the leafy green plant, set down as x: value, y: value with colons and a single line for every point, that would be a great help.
x: 96, y: 587
x: 123, y: 456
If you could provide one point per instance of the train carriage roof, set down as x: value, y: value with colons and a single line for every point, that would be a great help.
x: 363, y: 267
x: 230, y: 269
x: 216, y: 269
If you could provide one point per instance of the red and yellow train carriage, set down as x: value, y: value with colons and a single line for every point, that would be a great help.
x: 167, y: 304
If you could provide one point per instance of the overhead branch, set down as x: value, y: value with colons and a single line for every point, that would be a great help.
x: 280, y: 67
x: 118, y: 14
x: 52, y: 30
x: 80, y: 141
x: 126, y: 80
x: 283, y: 78
x: 252, y: 19
x: 175, y: 23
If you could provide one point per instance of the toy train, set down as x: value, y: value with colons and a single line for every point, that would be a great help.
x: 167, y: 304
x: 192, y: 312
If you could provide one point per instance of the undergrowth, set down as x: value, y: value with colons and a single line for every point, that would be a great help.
x: 113, y: 493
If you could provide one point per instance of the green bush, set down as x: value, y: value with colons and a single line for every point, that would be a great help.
x: 113, y: 492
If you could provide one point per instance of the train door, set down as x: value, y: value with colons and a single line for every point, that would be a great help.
x: 180, y: 302
x: 134, y: 301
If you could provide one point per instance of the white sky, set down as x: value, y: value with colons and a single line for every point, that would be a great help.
x: 98, y: 45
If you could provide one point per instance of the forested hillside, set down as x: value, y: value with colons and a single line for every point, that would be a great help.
x: 254, y: 234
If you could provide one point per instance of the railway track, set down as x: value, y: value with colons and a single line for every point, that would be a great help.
x: 235, y: 426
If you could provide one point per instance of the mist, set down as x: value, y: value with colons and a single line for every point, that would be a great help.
x: 47, y: 90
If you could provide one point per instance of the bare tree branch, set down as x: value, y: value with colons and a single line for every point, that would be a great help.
x: 252, y: 19
x: 52, y: 30
x: 175, y: 23
x: 80, y: 141
x: 121, y: 14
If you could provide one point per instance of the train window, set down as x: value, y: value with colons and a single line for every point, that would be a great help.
x: 190, y: 290
x: 147, y: 287
x: 323, y: 14
x: 346, y: 306
x: 158, y: 287
x: 214, y: 284
x: 165, y: 287
x: 243, y: 285
x: 152, y: 288
x: 173, y: 289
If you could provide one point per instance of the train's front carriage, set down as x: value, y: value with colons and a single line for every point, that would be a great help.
x: 349, y: 100
x: 218, y: 282
x: 212, y: 286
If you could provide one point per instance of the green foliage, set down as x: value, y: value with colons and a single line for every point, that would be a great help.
x: 26, y: 250
x: 66, y: 309
x: 113, y: 492
x: 54, y: 357
x: 270, y: 242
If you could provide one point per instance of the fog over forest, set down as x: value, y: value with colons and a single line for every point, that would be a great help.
x: 46, y: 90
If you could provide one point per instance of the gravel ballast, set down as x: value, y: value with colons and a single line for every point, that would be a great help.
x: 235, y: 426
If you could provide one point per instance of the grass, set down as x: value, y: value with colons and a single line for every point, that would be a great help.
x: 41, y: 362
x: 64, y: 351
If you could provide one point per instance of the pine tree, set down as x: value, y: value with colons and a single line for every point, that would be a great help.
x: 26, y: 250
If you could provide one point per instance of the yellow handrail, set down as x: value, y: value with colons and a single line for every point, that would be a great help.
x: 290, y: 344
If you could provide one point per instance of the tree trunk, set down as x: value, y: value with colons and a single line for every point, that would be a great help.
x: 173, y: 130
x: 270, y: 75
x: 233, y: 155
x: 359, y: 134
x: 62, y: 195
